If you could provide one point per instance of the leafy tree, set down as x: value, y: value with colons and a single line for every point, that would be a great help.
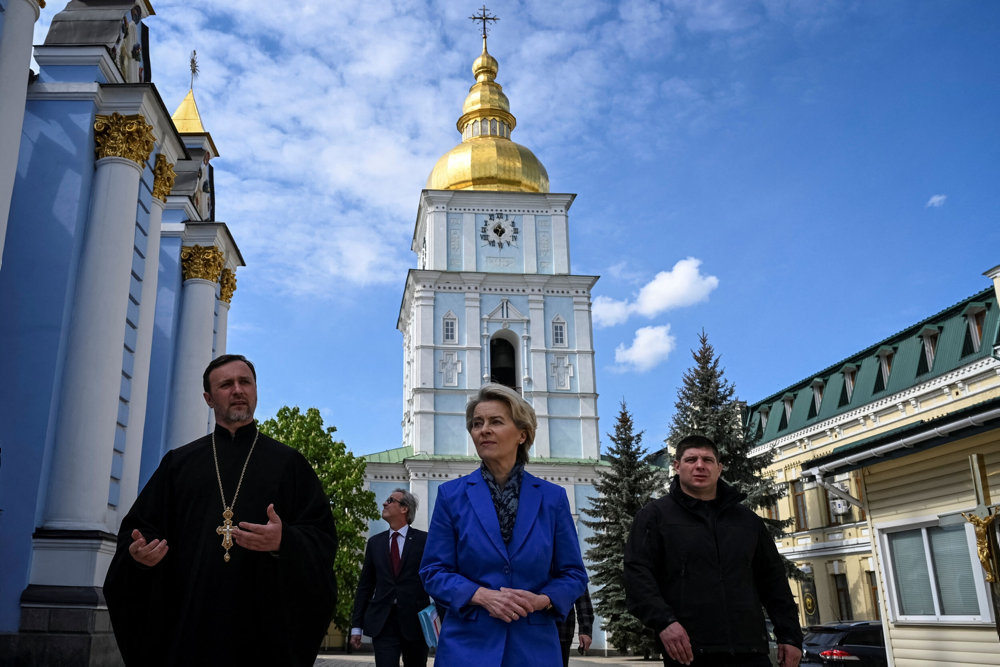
x: 707, y: 405
x: 342, y: 476
x: 623, y: 488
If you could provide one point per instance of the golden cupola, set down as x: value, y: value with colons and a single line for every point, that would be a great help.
x: 487, y: 159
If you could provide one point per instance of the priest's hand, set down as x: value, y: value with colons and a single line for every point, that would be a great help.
x: 146, y: 553
x: 260, y: 536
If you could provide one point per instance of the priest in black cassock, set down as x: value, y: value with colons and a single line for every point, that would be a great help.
x: 226, y: 557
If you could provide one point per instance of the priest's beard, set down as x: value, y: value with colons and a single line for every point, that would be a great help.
x: 239, y: 415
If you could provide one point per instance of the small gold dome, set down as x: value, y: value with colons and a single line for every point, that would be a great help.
x: 487, y: 159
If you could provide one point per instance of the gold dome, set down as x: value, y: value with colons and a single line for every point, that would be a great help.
x: 487, y: 159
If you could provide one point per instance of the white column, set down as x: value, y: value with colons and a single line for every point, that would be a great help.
x: 222, y: 328
x: 191, y: 415
x: 15, y: 57
x: 227, y: 284
x: 140, y: 374
x: 91, y: 382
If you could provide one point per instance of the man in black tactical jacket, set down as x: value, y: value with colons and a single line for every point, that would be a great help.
x: 699, y: 566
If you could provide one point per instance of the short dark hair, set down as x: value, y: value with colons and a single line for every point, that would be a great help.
x: 222, y: 361
x: 520, y: 411
x: 694, y: 442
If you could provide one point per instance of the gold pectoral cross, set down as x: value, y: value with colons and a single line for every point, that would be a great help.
x: 226, y: 530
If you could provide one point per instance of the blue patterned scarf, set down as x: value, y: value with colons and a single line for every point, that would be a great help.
x: 505, y: 499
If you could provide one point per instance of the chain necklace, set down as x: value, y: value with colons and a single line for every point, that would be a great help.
x: 226, y: 529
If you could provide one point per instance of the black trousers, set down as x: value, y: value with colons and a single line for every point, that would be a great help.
x: 390, y: 645
x: 565, y: 650
x: 723, y: 660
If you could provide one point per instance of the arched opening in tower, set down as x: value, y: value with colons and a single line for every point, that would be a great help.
x: 503, y: 363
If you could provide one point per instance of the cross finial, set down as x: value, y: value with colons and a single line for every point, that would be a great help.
x: 194, y: 67
x: 484, y: 16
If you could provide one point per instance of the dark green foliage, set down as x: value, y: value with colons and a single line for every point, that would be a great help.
x: 624, y: 487
x: 707, y: 405
x: 342, y: 476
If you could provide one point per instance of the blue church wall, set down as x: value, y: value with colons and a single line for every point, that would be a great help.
x: 461, y: 378
x: 565, y: 437
x: 432, y: 493
x: 71, y: 74
x: 543, y: 243
x: 48, y: 212
x: 174, y: 215
x: 125, y: 419
x: 450, y: 436
x: 456, y: 254
x: 165, y: 324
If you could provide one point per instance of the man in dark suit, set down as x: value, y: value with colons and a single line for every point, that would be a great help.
x: 390, y: 592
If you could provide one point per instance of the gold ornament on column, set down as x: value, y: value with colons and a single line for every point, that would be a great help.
x: 202, y: 262
x: 163, y: 177
x: 129, y: 137
x: 227, y: 285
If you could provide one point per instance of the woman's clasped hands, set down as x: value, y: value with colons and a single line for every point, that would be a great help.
x: 509, y: 604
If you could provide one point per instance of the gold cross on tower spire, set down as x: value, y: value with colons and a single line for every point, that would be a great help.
x: 484, y: 16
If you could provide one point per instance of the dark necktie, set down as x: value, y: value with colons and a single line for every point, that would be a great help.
x: 394, y: 553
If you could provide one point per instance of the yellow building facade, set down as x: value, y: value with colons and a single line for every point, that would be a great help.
x: 891, y: 459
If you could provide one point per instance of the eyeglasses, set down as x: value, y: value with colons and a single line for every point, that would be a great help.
x: 390, y: 500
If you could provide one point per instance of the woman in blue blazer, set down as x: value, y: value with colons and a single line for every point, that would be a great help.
x: 502, y: 553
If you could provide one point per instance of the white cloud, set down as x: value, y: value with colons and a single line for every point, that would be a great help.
x: 936, y: 201
x: 683, y: 285
x: 650, y: 347
x: 609, y: 312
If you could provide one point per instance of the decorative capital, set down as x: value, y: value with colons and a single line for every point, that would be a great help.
x: 163, y: 177
x: 130, y: 137
x: 227, y: 285
x: 204, y: 262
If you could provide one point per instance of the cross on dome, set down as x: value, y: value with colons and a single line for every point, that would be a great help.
x: 485, y: 17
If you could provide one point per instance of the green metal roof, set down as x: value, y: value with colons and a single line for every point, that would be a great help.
x: 907, y: 370
x: 912, y: 428
x: 396, y: 455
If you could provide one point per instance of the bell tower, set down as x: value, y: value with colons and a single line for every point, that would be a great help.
x: 492, y: 299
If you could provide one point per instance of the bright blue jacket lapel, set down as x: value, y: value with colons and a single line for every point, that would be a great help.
x: 528, y: 505
x: 482, y: 503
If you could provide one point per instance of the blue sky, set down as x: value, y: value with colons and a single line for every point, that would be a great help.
x: 800, y: 179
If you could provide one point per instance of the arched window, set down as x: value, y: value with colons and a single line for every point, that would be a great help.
x: 493, y: 126
x: 475, y: 128
x: 503, y: 363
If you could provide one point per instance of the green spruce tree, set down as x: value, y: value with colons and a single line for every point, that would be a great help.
x: 707, y: 405
x: 623, y: 488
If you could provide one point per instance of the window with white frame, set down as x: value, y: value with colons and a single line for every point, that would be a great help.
x: 885, y: 357
x: 929, y: 339
x: 818, y: 386
x: 849, y: 372
x: 933, y: 573
x: 558, y: 332
x: 449, y: 328
x: 975, y: 318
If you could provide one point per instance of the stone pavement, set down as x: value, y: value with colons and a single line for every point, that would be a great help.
x: 340, y: 659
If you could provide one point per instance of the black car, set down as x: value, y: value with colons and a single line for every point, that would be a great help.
x: 855, y: 643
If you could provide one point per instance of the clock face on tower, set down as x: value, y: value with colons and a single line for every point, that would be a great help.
x: 499, y: 230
